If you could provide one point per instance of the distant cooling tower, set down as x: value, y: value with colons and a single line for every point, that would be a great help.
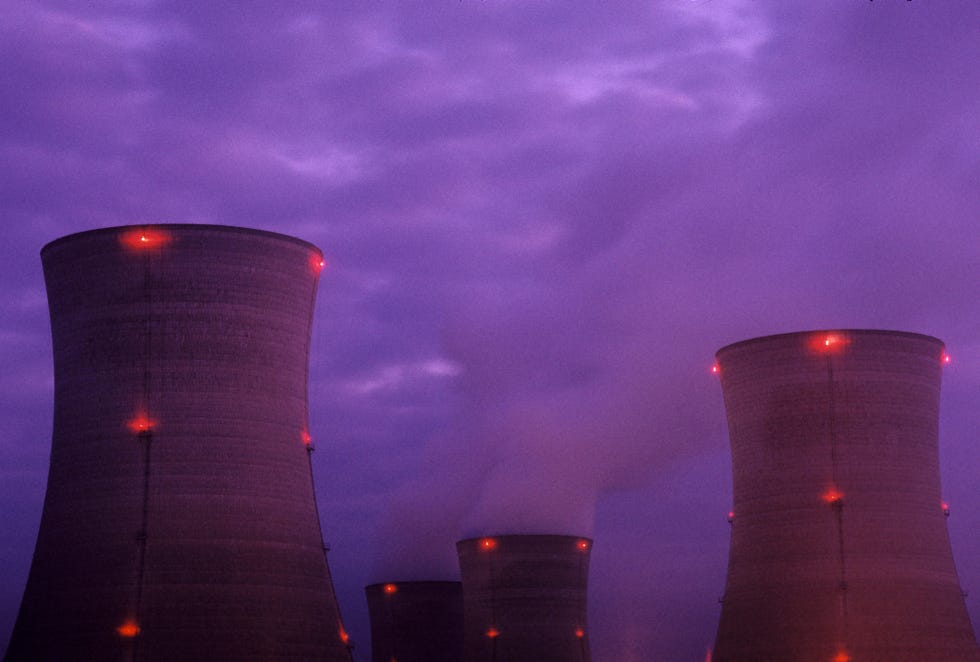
x: 418, y: 621
x: 180, y: 521
x: 524, y: 598
x: 839, y: 549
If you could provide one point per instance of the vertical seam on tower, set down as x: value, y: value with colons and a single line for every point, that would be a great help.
x: 146, y: 437
x: 838, y: 504
x: 493, y: 606
x: 581, y: 624
x: 391, y: 625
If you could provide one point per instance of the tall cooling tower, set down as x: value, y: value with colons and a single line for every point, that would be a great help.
x: 180, y: 520
x: 839, y: 550
x: 524, y: 598
x: 419, y: 621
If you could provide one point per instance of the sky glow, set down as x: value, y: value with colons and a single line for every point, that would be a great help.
x: 538, y: 224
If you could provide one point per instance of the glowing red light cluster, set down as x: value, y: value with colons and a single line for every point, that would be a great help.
x: 488, y: 544
x: 583, y: 545
x: 715, y: 369
x: 140, y: 424
x: 128, y: 629
x: 832, y: 496
x: 390, y: 588
x: 842, y: 656
x: 946, y: 358
x: 731, y: 516
x: 317, y: 262
x: 306, y: 438
x: 579, y: 633
x: 945, y: 509
x: 344, y: 637
x: 143, y: 238
x: 493, y: 633
x: 828, y: 343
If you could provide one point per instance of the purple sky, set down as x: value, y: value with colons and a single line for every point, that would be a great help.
x: 541, y: 220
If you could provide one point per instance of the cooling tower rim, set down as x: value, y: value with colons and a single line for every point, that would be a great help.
x: 180, y: 227
x: 555, y: 537
x: 415, y: 583
x: 817, y: 332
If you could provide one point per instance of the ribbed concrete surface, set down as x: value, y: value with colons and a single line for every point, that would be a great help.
x: 524, y: 598
x: 179, y: 521
x: 418, y: 621
x: 839, y: 549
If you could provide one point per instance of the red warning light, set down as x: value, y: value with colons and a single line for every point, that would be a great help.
x: 493, y: 633
x: 317, y: 263
x: 731, y: 516
x: 344, y: 637
x: 306, y: 438
x: 128, y: 629
x: 579, y: 633
x: 140, y: 424
x: 946, y: 358
x: 832, y: 496
x: 391, y: 588
x: 842, y: 656
x: 715, y: 369
x: 828, y: 343
x: 488, y: 544
x: 583, y: 545
x: 143, y: 238
x: 945, y: 509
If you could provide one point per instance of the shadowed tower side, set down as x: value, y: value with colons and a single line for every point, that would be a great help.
x: 839, y: 548
x: 179, y: 520
x: 524, y: 598
x: 418, y: 621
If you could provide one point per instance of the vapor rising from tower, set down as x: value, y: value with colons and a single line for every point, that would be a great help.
x: 179, y: 521
x: 839, y: 549
x: 524, y: 598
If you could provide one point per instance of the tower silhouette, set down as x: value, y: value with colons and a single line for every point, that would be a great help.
x: 839, y: 549
x: 179, y: 521
x: 524, y: 598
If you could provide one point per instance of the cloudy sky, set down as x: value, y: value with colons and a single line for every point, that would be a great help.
x: 541, y: 219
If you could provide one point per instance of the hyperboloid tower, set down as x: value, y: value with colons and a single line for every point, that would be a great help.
x: 839, y: 549
x: 416, y: 621
x: 179, y: 521
x: 524, y: 598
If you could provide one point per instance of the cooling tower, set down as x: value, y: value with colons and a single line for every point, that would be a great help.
x: 839, y: 550
x: 418, y: 621
x: 179, y: 521
x: 524, y: 598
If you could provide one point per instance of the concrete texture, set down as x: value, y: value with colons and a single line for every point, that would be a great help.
x: 179, y: 521
x: 524, y: 598
x: 419, y: 621
x: 839, y: 548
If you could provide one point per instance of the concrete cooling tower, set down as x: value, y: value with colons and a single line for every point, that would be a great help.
x: 419, y: 621
x: 524, y: 598
x: 179, y: 521
x: 839, y: 549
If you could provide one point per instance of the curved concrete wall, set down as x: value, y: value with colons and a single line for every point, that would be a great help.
x: 839, y: 550
x: 420, y: 621
x: 524, y: 598
x: 179, y: 521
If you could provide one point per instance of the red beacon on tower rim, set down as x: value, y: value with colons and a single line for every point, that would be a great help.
x: 828, y: 342
x: 142, y: 238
